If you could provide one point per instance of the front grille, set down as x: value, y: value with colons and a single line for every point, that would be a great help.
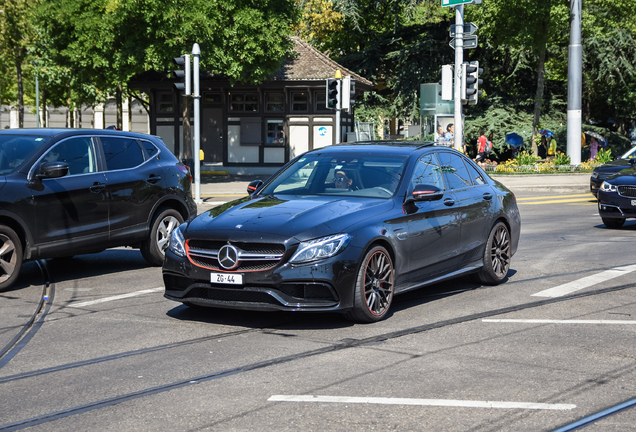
x: 627, y: 191
x: 251, y: 256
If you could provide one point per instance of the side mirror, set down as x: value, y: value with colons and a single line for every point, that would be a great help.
x: 422, y: 193
x: 53, y: 170
x: 427, y: 193
x: 254, y: 186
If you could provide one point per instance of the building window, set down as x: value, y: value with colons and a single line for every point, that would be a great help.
x: 275, y: 102
x: 212, y: 98
x: 243, y: 102
x: 275, y: 134
x: 165, y: 103
x: 300, y: 102
x: 321, y: 103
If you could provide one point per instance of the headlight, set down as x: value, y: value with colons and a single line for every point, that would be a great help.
x: 177, y: 243
x: 320, y: 248
x: 608, y: 187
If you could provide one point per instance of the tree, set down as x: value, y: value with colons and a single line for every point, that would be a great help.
x: 104, y: 43
x: 16, y: 35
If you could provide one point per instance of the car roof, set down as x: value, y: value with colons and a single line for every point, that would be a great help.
x: 54, y: 132
x: 388, y: 147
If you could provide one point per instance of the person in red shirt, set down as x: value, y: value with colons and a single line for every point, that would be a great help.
x: 481, y: 147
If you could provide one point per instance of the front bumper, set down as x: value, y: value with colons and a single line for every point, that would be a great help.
x: 612, y: 205
x: 324, y: 286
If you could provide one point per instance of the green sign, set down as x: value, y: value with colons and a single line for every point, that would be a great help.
x: 459, y: 2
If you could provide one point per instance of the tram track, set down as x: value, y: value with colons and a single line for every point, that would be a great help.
x: 28, y: 330
x: 334, y: 347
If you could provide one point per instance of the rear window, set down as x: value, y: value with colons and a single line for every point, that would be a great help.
x: 121, y: 153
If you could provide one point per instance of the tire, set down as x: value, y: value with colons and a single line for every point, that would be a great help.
x: 153, y: 249
x: 613, y: 223
x: 10, y: 257
x: 496, y: 256
x: 374, y: 287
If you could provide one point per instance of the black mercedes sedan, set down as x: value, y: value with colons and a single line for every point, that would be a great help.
x: 345, y: 228
x: 603, y: 172
x: 65, y: 192
x: 617, y: 197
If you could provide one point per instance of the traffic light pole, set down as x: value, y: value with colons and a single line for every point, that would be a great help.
x: 338, y: 109
x: 458, y: 135
x: 196, y: 53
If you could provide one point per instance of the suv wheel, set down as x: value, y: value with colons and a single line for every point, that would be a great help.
x: 10, y: 257
x: 154, y: 247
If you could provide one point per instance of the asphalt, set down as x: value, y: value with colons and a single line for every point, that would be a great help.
x: 218, y: 189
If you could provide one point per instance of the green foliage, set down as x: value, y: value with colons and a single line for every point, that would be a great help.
x: 603, y: 156
x: 524, y: 158
x: 561, y: 159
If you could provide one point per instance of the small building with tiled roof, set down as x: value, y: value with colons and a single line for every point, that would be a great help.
x: 262, y: 125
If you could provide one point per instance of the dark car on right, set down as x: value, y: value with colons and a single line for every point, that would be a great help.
x: 604, y: 171
x: 617, y: 197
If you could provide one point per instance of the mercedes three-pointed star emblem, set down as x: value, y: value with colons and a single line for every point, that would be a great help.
x: 228, y: 257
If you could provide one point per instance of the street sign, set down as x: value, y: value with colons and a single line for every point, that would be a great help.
x: 469, y: 28
x: 459, y: 2
x: 470, y: 42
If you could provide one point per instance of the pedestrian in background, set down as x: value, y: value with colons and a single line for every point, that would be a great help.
x: 552, y: 148
x: 542, y: 149
x: 593, y: 148
x: 481, y: 147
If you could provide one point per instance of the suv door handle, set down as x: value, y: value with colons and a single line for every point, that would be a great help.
x: 153, y: 179
x: 97, y: 187
x: 449, y: 202
x: 487, y: 196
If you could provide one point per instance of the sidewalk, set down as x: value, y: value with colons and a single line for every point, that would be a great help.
x: 216, y: 189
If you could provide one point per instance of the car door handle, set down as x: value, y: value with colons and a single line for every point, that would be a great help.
x: 97, y: 187
x: 153, y: 179
x: 449, y: 202
x: 487, y: 196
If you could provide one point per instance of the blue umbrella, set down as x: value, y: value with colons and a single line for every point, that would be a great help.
x: 514, y: 140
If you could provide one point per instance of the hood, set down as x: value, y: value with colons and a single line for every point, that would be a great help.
x: 627, y: 176
x: 277, y: 218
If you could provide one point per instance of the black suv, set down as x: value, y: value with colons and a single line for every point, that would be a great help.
x: 65, y: 192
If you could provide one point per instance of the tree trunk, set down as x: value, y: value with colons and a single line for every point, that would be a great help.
x: 538, y: 98
x: 120, y: 110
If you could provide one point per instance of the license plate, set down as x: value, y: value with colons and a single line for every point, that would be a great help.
x: 223, y: 278
x: 633, y: 203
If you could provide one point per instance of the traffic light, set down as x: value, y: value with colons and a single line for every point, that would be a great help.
x: 348, y: 93
x: 447, y: 82
x: 333, y: 93
x: 183, y: 74
x: 471, y: 82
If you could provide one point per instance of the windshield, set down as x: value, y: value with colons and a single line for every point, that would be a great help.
x: 349, y: 174
x: 15, y: 149
x: 630, y: 154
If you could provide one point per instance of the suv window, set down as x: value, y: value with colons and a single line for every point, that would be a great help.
x: 149, y: 149
x: 78, y: 153
x: 121, y: 153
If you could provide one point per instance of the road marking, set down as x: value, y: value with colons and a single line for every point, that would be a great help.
x: 586, y: 282
x: 555, y: 201
x: 552, y: 321
x: 117, y: 297
x: 421, y: 402
x: 588, y: 195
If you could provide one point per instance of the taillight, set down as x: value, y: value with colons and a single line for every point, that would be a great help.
x: 186, y: 171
